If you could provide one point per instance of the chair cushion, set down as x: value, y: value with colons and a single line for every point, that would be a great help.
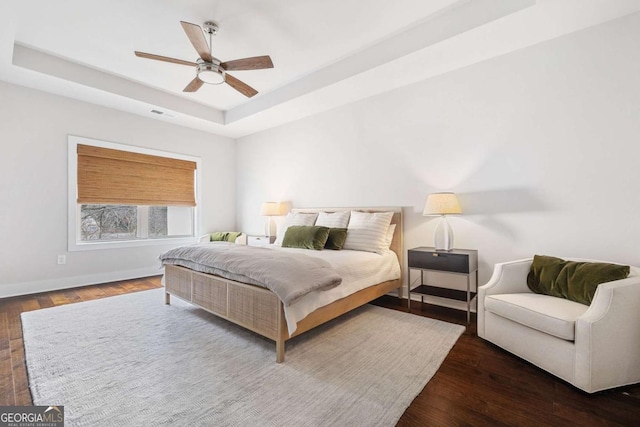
x: 219, y: 236
x: 551, y: 315
x: 572, y: 280
x: 233, y: 235
x: 225, y: 236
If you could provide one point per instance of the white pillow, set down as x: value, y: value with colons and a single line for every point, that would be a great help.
x: 367, y: 231
x: 333, y: 219
x: 297, y: 218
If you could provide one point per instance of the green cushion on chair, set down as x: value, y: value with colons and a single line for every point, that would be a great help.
x: 233, y: 235
x: 219, y: 236
x: 543, y: 273
x: 581, y: 279
x: 576, y: 281
x: 225, y: 236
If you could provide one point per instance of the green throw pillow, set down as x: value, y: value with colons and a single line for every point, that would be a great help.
x: 233, y: 235
x: 219, y: 236
x: 305, y: 237
x: 581, y: 279
x: 336, y: 239
x: 576, y: 281
x: 543, y: 273
x: 225, y: 236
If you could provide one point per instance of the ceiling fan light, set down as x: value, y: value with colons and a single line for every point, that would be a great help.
x: 211, y: 74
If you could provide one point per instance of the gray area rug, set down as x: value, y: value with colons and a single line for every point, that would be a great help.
x: 131, y: 360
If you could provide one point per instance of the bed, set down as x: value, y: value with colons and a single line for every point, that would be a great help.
x: 260, y: 310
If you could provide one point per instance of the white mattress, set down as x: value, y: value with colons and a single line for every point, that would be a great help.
x: 358, y: 270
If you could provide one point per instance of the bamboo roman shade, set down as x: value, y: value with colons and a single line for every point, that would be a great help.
x: 107, y: 176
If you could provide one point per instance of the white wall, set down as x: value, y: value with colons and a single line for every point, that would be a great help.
x: 541, y: 145
x: 33, y: 188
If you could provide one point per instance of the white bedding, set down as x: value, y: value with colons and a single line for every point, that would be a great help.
x: 358, y: 270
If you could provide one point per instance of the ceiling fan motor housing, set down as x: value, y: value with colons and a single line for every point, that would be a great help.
x: 211, y: 72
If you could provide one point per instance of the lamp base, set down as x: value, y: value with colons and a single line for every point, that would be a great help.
x: 443, y: 238
x: 270, y: 229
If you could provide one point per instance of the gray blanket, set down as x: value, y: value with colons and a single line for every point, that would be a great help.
x: 289, y: 275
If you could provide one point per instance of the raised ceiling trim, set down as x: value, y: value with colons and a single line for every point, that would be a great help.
x: 35, y: 60
x: 456, y: 19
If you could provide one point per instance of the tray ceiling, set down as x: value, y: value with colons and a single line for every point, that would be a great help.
x: 326, y: 53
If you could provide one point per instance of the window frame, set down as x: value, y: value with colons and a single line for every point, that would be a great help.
x: 73, y: 208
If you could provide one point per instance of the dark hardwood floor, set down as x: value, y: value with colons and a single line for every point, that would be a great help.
x: 478, y: 384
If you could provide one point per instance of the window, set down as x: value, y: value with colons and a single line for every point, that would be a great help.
x: 108, y: 222
x: 123, y: 196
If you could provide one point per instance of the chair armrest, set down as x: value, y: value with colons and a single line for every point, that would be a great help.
x: 508, y: 278
x: 608, y: 336
x: 613, y: 299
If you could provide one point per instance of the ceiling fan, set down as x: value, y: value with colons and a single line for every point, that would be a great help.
x: 210, y: 69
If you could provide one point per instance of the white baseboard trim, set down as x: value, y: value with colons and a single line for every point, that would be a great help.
x: 26, y: 288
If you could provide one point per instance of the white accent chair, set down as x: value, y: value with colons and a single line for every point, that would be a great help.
x: 594, y: 347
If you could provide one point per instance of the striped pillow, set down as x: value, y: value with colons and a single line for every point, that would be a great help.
x: 333, y: 219
x: 367, y: 231
x: 297, y: 218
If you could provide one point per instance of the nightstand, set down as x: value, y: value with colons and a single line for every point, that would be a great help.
x: 260, y: 240
x: 463, y: 262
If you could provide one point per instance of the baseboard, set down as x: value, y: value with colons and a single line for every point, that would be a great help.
x: 26, y: 288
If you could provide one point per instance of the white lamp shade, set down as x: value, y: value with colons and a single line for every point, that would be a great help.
x: 271, y: 209
x: 442, y: 204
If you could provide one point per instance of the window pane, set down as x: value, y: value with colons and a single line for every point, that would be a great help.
x: 180, y: 221
x: 108, y: 222
x: 157, y: 221
x: 171, y: 221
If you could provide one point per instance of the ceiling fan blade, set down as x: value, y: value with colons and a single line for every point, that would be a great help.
x: 164, y: 58
x: 193, y: 85
x: 241, y: 87
x: 196, y: 37
x: 254, y: 63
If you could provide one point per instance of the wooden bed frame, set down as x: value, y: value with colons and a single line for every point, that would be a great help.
x: 260, y: 310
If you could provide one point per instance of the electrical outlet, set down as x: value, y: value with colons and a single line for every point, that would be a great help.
x: 62, y: 259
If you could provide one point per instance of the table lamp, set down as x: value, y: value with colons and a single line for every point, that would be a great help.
x: 270, y: 209
x: 442, y: 204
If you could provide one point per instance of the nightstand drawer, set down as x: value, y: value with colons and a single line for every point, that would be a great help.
x: 257, y: 240
x: 430, y: 259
